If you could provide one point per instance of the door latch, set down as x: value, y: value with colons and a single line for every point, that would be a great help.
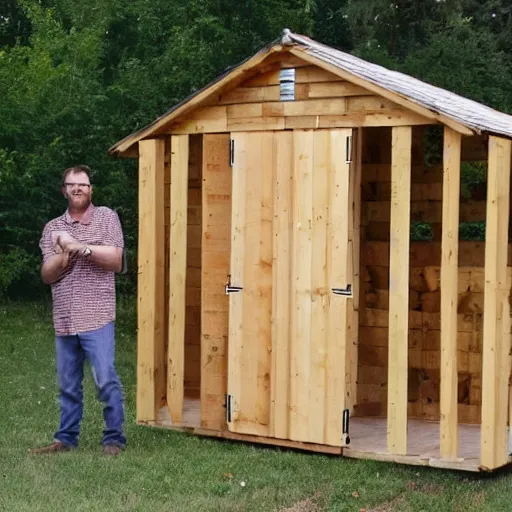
x: 343, y: 291
x: 231, y: 289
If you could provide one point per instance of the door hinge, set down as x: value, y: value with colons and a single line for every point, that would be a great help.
x: 228, y: 404
x: 231, y: 289
x: 343, y: 291
x: 345, y: 422
x: 231, y: 152
x: 348, y: 156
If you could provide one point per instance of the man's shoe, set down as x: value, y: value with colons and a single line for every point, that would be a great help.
x: 52, y: 448
x: 112, y: 449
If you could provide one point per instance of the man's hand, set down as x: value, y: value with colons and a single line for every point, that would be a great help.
x: 74, y: 249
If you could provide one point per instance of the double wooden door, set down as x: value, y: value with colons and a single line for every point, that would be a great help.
x: 289, y: 284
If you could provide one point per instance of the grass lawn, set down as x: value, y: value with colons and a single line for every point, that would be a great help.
x: 163, y: 470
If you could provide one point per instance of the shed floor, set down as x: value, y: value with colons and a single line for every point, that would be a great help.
x: 368, y: 438
x: 369, y: 435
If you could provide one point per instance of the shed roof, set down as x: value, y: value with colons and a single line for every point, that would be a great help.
x: 466, y: 115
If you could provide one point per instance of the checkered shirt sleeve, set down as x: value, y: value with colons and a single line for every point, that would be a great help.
x: 114, y: 236
x: 45, y: 244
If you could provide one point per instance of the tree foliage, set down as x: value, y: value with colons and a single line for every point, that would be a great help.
x: 78, y: 76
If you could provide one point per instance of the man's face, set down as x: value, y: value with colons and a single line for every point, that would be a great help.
x: 77, y: 190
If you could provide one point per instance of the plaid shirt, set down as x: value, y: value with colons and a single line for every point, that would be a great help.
x: 84, y: 297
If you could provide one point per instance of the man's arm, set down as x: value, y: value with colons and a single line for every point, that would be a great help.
x: 54, y: 267
x: 106, y: 257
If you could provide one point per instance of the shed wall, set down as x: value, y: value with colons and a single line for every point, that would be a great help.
x: 424, y: 294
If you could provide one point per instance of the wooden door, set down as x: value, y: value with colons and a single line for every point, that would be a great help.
x: 289, y: 261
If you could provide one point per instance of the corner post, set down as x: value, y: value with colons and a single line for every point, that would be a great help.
x: 496, y: 338
x: 150, y: 282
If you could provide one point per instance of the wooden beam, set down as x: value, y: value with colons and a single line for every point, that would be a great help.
x: 215, y: 256
x: 496, y: 339
x: 337, y: 277
x: 449, y: 295
x: 282, y: 227
x: 354, y: 265
x: 381, y: 91
x: 150, y: 290
x: 300, y: 326
x: 399, y: 289
x: 177, y: 276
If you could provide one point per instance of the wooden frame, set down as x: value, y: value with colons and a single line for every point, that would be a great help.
x: 150, y: 286
x: 177, y: 276
x: 449, y: 293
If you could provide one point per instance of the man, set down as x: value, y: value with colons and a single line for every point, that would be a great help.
x: 82, y: 250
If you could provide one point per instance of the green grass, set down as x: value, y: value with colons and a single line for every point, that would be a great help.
x: 163, y: 470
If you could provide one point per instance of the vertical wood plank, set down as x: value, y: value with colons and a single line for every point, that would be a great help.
x: 300, y: 330
x: 177, y: 276
x: 338, y: 277
x: 319, y: 288
x: 150, y: 290
x: 282, y: 228
x: 496, y: 342
x: 237, y: 273
x: 354, y: 223
x: 399, y: 289
x: 215, y: 263
x: 449, y: 295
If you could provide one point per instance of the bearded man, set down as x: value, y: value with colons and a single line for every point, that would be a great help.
x: 82, y: 249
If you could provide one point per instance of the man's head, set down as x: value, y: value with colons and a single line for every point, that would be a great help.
x: 77, y: 188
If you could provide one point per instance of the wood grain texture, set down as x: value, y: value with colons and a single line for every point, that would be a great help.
x: 216, y: 242
x: 150, y: 290
x: 449, y: 295
x: 496, y: 340
x: 177, y: 275
x: 399, y: 289
x: 282, y: 231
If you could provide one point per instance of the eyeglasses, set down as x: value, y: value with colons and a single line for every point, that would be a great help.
x: 79, y: 185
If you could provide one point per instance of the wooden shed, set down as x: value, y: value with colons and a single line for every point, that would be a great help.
x: 281, y: 297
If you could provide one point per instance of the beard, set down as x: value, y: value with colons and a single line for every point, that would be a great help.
x: 79, y: 201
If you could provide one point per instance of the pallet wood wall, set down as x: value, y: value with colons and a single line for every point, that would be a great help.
x: 424, y: 293
x: 192, y: 375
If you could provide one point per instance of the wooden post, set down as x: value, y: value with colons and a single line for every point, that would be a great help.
x: 177, y: 277
x: 399, y: 289
x: 496, y: 342
x: 150, y: 285
x: 282, y: 228
x: 354, y: 236
x: 449, y: 276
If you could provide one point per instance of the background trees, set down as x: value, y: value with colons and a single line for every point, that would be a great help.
x: 77, y: 76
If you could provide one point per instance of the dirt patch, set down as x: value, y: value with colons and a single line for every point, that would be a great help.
x: 394, y: 505
x: 307, y: 505
x: 437, y: 490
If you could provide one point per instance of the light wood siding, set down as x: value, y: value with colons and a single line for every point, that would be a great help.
x: 399, y: 290
x: 177, y: 276
x: 449, y: 274
x: 216, y: 243
x: 150, y: 285
x: 496, y: 339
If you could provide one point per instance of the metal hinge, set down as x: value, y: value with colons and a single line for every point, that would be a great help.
x: 231, y: 152
x: 228, y: 404
x: 231, y: 289
x: 348, y: 155
x: 343, y: 291
x: 345, y: 422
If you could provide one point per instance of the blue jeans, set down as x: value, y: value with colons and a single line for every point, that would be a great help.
x: 98, y: 347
